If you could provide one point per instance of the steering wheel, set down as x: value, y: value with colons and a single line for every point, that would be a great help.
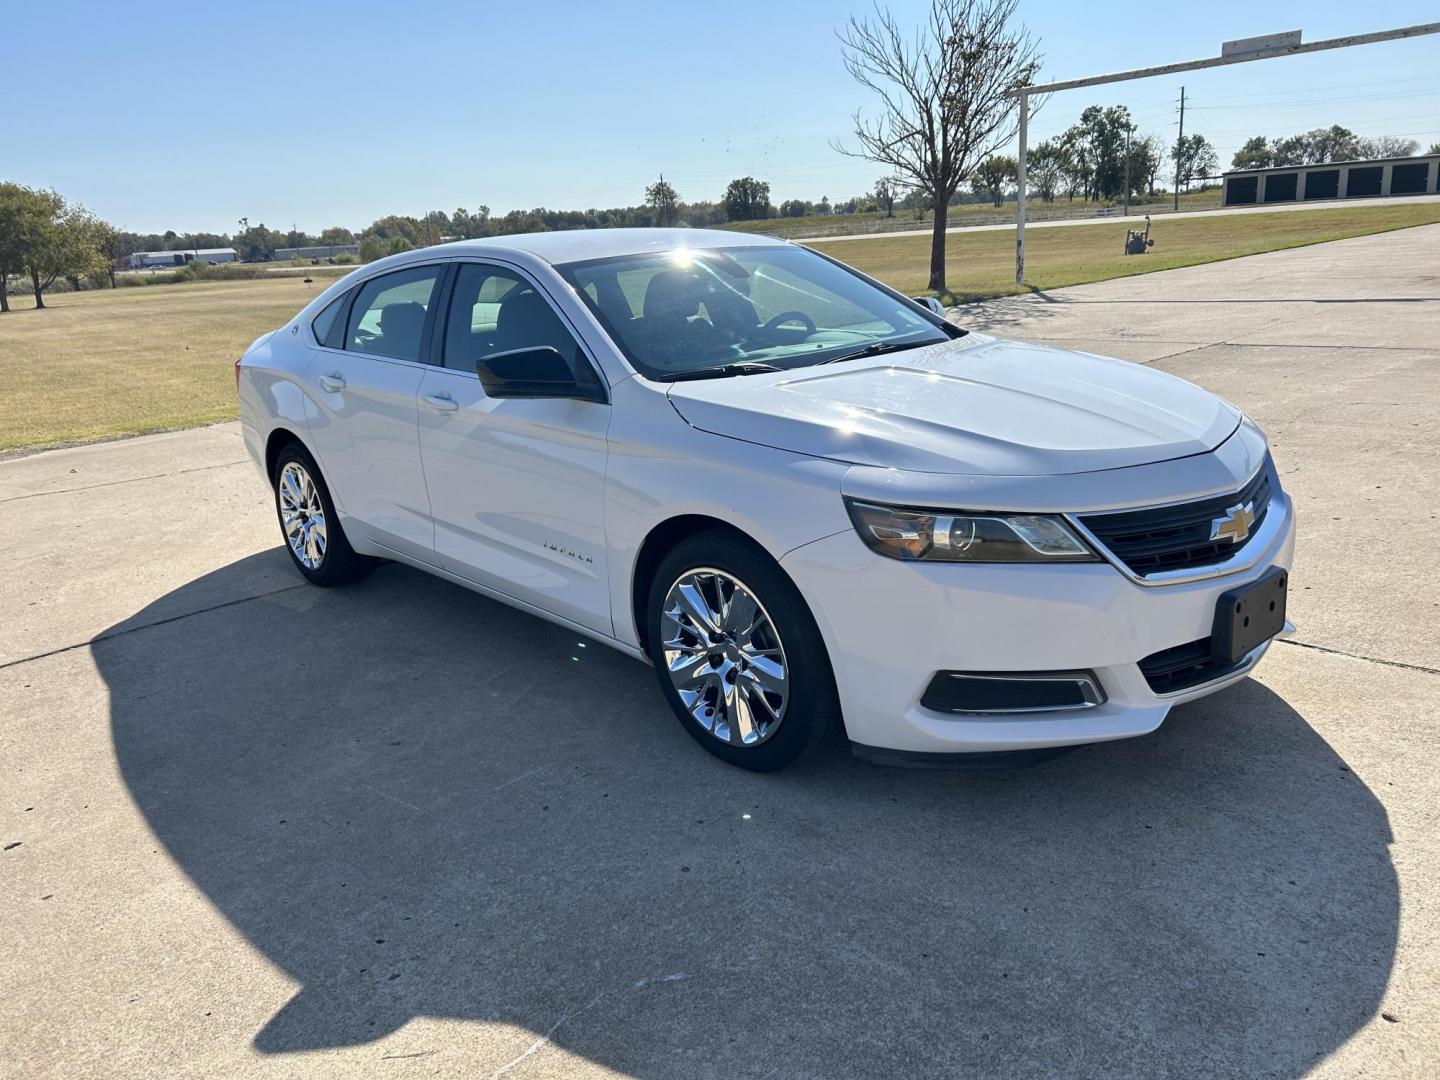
x: 780, y: 320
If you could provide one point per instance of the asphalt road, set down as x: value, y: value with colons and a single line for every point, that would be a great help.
x: 249, y: 828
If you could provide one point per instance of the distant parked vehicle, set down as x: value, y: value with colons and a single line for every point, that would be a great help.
x: 805, y: 498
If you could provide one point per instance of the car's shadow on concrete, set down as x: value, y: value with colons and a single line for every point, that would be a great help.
x: 419, y: 802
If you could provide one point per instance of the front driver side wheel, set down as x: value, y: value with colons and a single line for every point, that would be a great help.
x: 309, y: 524
x: 738, y: 655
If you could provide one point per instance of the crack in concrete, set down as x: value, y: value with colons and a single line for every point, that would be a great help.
x: 1357, y: 656
x: 148, y: 626
x: 117, y: 483
x: 1180, y: 352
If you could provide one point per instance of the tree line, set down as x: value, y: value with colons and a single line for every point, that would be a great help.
x: 1102, y: 156
x: 1322, y: 145
x: 44, y: 238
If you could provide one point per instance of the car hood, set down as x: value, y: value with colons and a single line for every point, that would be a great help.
x: 973, y: 405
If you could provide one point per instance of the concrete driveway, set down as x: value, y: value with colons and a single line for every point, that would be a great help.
x: 251, y: 828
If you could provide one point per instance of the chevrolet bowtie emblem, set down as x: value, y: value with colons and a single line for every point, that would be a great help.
x: 1235, y: 525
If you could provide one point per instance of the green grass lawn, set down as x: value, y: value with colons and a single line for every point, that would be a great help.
x: 124, y: 361
x: 132, y: 360
x: 959, y: 216
x: 982, y: 265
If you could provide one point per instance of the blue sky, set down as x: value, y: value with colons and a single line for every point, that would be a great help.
x: 192, y: 115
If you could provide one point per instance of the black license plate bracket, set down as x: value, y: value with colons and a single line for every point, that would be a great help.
x: 1247, y: 616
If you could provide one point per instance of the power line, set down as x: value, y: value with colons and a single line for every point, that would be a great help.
x: 1345, y: 100
x: 1322, y: 89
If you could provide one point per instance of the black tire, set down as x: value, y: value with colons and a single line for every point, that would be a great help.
x: 812, y: 705
x: 340, y: 564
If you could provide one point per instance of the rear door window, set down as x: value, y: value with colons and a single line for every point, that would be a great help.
x: 388, y: 317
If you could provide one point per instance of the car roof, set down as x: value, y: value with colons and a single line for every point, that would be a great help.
x: 576, y: 245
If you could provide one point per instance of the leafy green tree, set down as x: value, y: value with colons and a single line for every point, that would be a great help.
x: 747, y: 199
x: 794, y: 208
x: 1434, y: 149
x: 47, y: 238
x: 701, y: 214
x: 1146, y: 156
x: 377, y: 247
x: 1194, y: 157
x: 664, y: 203
x: 1098, y: 139
x: 993, y: 177
x: 110, y: 243
x: 1255, y: 154
x: 12, y: 209
x: 1315, y: 147
x: 1047, y: 166
x: 337, y: 234
x: 38, y: 237
x: 396, y: 233
x: 435, y: 228
x: 469, y: 226
x: 256, y: 243
x: 886, y: 189
x: 1334, y: 143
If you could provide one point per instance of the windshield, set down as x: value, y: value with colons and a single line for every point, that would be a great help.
x: 744, y: 309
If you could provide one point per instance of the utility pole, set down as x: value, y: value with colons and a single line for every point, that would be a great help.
x: 1128, y: 126
x: 1179, y: 147
x: 1020, y: 163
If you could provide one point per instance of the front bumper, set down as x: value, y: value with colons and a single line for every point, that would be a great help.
x: 890, y: 625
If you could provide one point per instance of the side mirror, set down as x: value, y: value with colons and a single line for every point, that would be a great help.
x: 540, y: 372
x: 930, y: 304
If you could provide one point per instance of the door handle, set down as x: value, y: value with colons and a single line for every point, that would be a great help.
x: 333, y: 381
x: 440, y: 402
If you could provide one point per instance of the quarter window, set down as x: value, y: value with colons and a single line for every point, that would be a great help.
x: 388, y: 318
x: 326, y: 324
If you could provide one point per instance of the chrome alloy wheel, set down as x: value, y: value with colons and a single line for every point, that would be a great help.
x: 724, y: 657
x: 302, y: 515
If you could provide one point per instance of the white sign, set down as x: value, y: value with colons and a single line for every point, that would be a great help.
x: 1263, y: 43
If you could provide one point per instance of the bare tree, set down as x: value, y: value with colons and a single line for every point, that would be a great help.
x: 943, y: 96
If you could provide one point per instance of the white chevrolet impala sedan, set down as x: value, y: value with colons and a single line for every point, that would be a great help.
x: 804, y: 498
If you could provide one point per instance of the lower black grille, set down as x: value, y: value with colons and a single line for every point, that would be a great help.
x: 1170, y: 671
x: 1008, y: 692
x: 1178, y: 537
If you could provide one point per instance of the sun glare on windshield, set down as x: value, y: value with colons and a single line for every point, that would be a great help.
x: 743, y: 310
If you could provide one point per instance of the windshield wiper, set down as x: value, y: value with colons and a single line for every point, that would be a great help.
x: 876, y: 348
x: 744, y: 367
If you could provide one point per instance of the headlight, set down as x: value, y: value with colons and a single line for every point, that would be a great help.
x: 937, y: 536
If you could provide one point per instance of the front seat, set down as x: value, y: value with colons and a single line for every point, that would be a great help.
x: 526, y: 321
x: 670, y: 329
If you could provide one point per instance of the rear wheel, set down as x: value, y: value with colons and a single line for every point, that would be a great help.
x: 309, y: 524
x: 738, y: 655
